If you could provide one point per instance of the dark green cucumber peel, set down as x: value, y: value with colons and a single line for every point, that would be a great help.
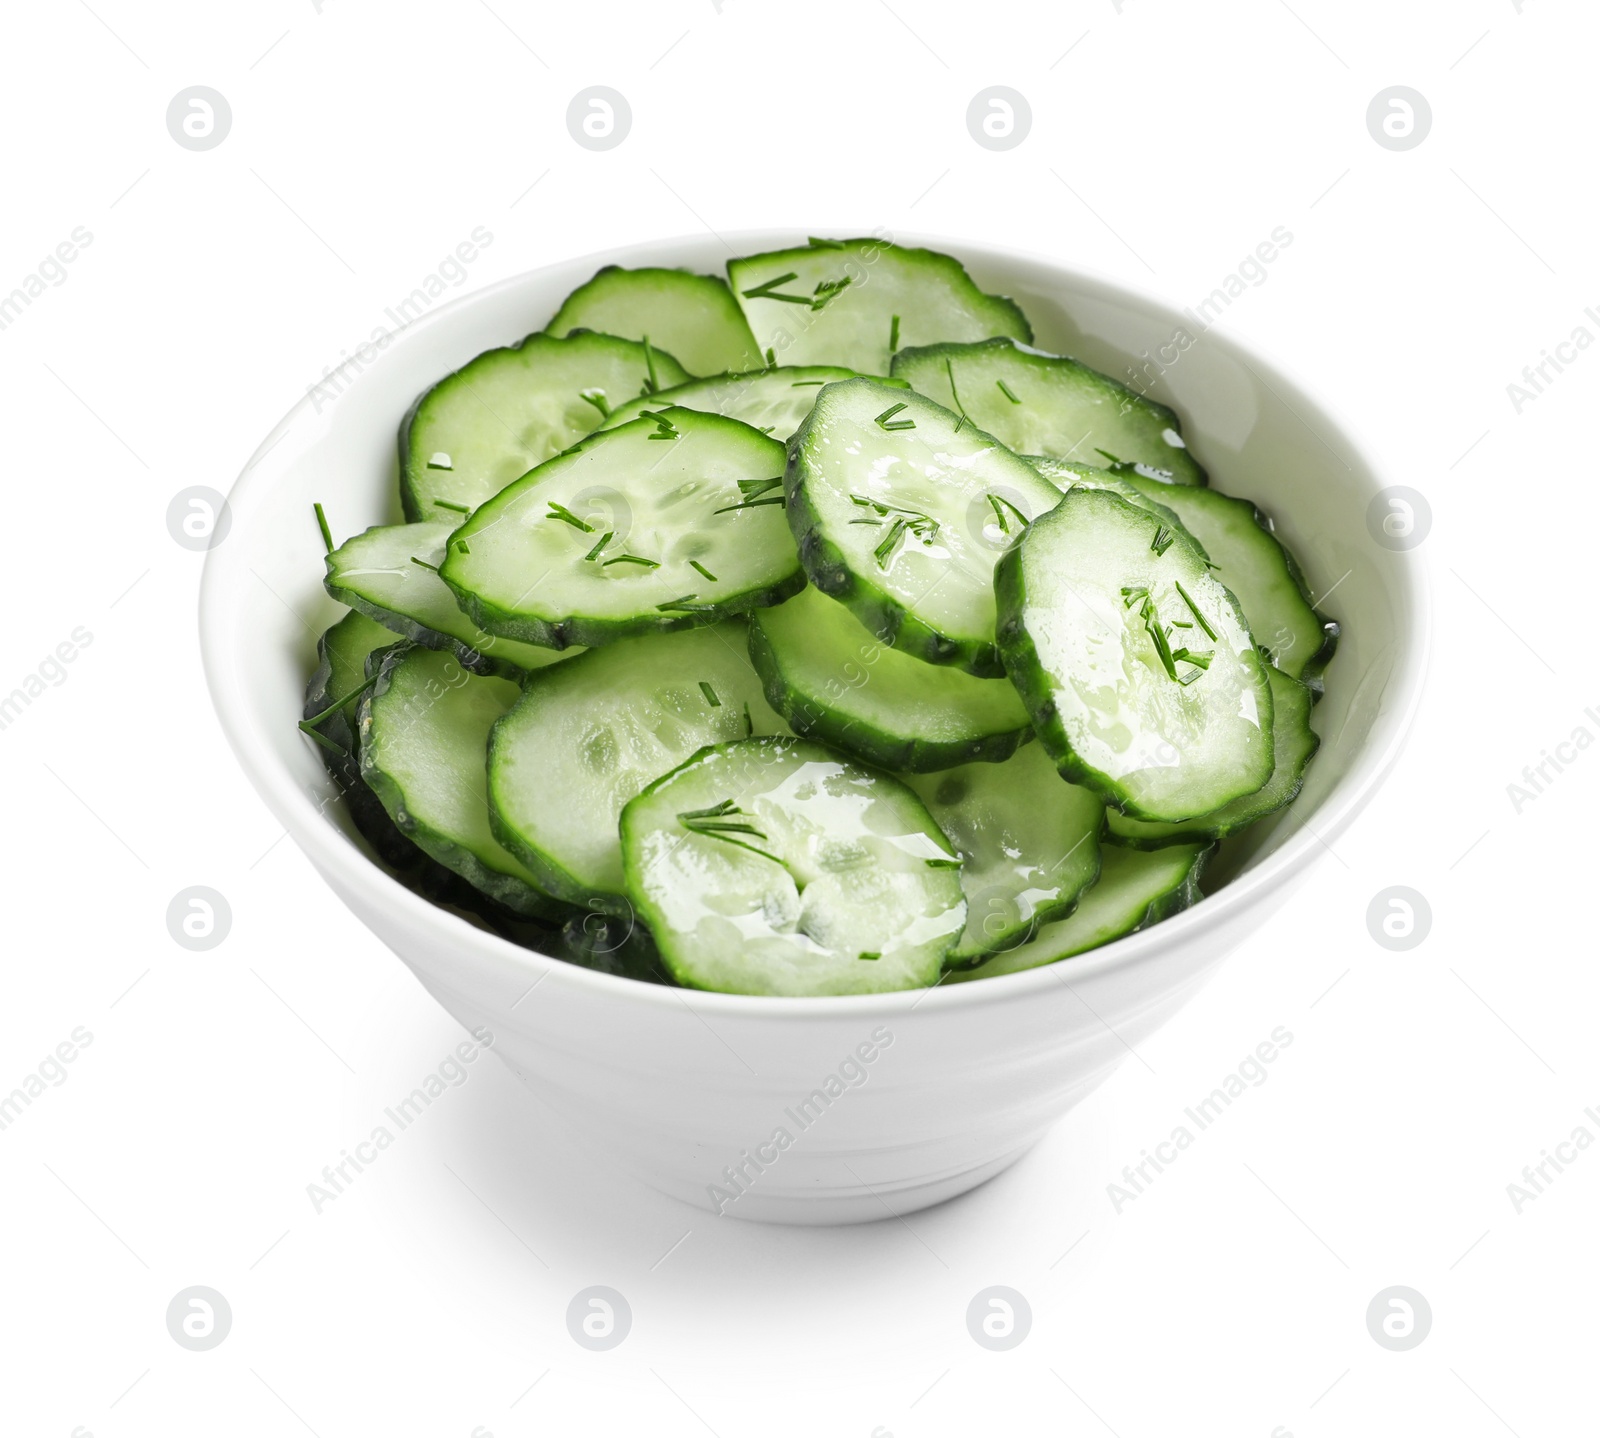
x: 833, y: 680
x: 917, y: 430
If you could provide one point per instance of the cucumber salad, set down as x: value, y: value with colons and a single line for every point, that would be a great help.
x: 808, y: 632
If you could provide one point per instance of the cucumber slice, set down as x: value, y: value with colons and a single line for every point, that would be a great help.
x: 693, y: 529
x: 424, y: 731
x: 1029, y: 846
x: 900, y: 509
x: 1100, y: 606
x: 1293, y: 744
x: 1041, y: 403
x: 1134, y: 891
x: 498, y: 416
x: 771, y: 400
x: 833, y: 680
x: 777, y: 866
x: 1260, y: 571
x: 587, y: 736
x: 390, y: 574
x: 1068, y: 474
x: 694, y: 316
x: 854, y: 302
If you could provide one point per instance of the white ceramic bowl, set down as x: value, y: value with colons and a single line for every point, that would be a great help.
x: 688, y: 1090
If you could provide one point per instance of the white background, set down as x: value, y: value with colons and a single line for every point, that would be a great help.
x: 1168, y: 139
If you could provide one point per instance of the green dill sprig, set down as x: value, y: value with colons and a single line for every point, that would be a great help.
x: 894, y: 333
x: 665, y: 429
x: 768, y: 290
x: 995, y: 501
x: 566, y: 516
x: 423, y: 564
x: 711, y: 694
x: 322, y: 524
x: 1194, y: 609
x: 600, y: 544
x: 631, y: 559
x: 700, y: 569
x: 447, y: 504
x: 684, y: 605
x: 887, y: 420
x: 1005, y: 389
x: 1162, y: 540
x: 725, y: 821
x: 310, y: 725
x: 955, y: 394
x: 596, y: 397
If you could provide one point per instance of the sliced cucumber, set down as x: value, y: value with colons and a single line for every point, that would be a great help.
x: 495, y: 418
x: 391, y: 574
x: 771, y: 400
x: 777, y: 866
x: 587, y: 736
x: 1029, y: 846
x: 695, y: 317
x: 900, y: 509
x: 835, y: 681
x: 1293, y: 744
x: 424, y: 732
x: 687, y: 526
x: 1260, y: 571
x: 1135, y: 663
x: 1068, y: 474
x: 1134, y: 891
x: 854, y: 302
x: 1041, y: 403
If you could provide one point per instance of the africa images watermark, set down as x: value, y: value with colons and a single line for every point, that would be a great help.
x: 51, y: 270
x: 1251, y: 1072
x: 1537, y: 1177
x: 449, y: 273
x: 51, y: 671
x: 1539, y: 376
x: 1553, y: 762
x: 450, y: 1072
x: 1250, y: 273
x: 50, y: 1071
x: 850, y: 1073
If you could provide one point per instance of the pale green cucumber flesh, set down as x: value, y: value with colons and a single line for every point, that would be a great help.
x: 424, y: 734
x: 669, y: 521
x: 778, y: 866
x: 853, y: 302
x: 1099, y: 605
x: 390, y: 573
x: 771, y: 400
x: 1135, y: 890
x: 1029, y: 846
x: 900, y: 509
x: 1048, y: 404
x: 834, y: 680
x: 510, y: 409
x: 1257, y: 566
x: 586, y: 737
x: 1294, y: 742
x: 693, y: 317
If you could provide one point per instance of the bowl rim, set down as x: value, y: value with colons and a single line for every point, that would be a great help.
x: 333, y: 854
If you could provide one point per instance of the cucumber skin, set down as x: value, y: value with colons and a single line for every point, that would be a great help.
x: 1023, y: 667
x: 916, y: 756
x: 408, y: 629
x: 513, y: 894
